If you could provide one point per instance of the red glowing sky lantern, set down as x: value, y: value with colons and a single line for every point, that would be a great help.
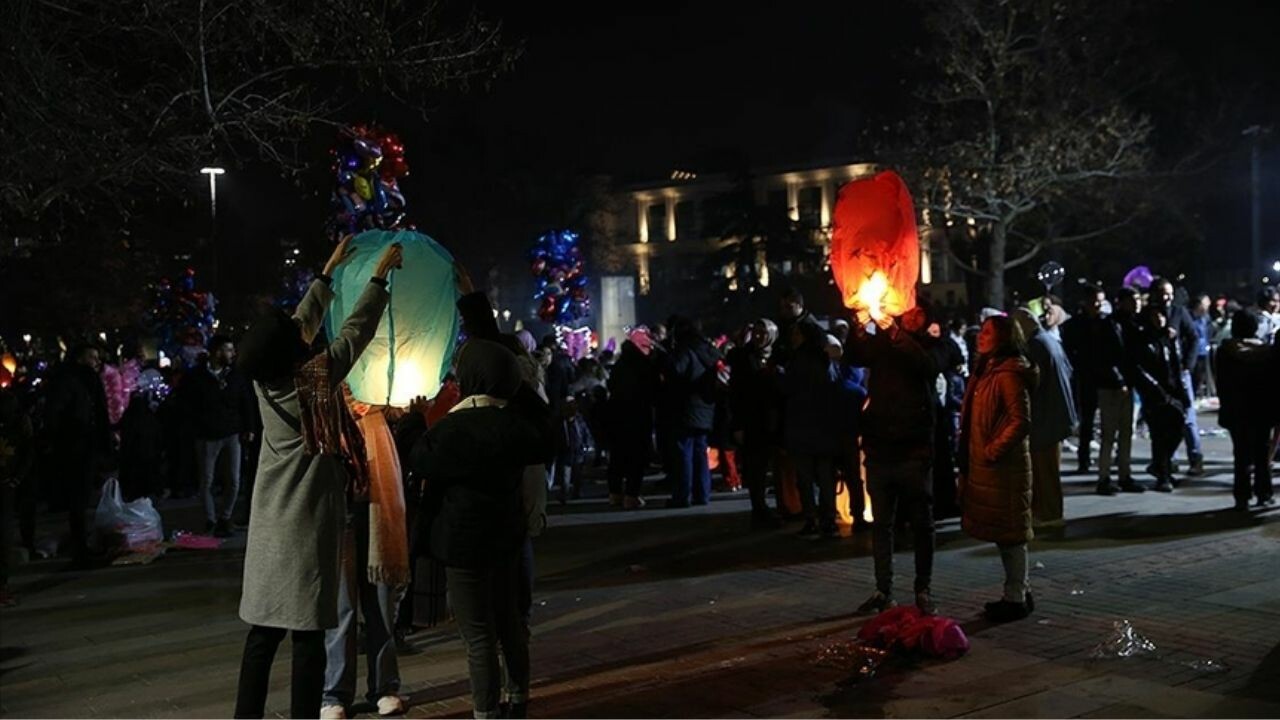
x: 875, y: 248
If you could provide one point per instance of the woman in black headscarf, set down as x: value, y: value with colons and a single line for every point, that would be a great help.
x: 473, y: 519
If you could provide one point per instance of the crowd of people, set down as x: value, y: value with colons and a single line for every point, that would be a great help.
x: 376, y: 514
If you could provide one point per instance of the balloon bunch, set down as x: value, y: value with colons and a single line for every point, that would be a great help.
x: 367, y: 165
x: 152, y: 387
x: 556, y: 262
x: 180, y: 314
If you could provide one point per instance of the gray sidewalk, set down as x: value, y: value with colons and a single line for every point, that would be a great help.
x: 684, y: 613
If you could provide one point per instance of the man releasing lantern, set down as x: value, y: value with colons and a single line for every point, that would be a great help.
x: 875, y: 248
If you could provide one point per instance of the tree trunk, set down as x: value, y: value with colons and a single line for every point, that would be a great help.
x: 995, y: 265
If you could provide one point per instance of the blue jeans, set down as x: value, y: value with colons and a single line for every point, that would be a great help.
x: 1191, y: 430
x: 693, y: 475
x: 219, y: 460
x: 377, y: 603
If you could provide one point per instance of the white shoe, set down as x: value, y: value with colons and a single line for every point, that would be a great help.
x: 389, y: 705
x: 333, y: 712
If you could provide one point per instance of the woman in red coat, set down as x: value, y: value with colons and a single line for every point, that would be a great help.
x: 995, y: 480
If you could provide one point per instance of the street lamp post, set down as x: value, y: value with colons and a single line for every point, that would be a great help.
x: 213, y: 173
x: 1256, y: 133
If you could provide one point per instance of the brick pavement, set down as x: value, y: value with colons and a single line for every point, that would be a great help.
x: 684, y: 614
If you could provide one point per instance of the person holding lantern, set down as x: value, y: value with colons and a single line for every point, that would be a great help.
x: 375, y: 573
x: 875, y: 261
x: 995, y: 480
x: 897, y: 437
x: 312, y: 459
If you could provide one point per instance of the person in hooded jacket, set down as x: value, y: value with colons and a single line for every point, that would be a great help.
x: 633, y: 385
x: 480, y: 321
x: 995, y: 482
x: 473, y: 518
x: 1249, y: 393
x: 693, y: 381
x: 755, y: 408
x: 1053, y: 410
x: 1155, y: 369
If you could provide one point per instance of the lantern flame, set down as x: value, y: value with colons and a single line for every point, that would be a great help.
x: 871, y: 295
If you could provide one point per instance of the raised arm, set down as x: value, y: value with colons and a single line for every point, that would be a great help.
x: 359, y: 327
x: 315, y: 303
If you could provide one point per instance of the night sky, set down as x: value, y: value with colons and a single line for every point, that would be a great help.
x: 634, y: 91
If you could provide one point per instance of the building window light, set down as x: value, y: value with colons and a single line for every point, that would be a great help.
x: 683, y: 175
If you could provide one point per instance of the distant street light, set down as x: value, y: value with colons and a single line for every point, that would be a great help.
x: 1255, y: 133
x: 213, y: 173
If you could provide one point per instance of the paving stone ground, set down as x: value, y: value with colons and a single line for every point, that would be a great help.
x: 685, y: 613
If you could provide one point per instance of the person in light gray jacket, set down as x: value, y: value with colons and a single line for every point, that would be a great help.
x: 312, y: 458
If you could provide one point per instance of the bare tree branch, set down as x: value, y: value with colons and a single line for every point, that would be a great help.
x: 90, y: 86
x: 1038, y: 245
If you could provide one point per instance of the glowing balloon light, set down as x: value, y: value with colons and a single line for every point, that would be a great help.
x: 410, y: 352
x: 875, y: 247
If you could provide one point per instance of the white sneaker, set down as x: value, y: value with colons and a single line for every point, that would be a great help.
x: 333, y: 712
x: 389, y: 705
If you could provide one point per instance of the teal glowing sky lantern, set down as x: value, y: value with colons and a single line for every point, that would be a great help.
x: 410, y: 353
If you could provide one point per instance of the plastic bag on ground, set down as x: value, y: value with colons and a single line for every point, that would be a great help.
x: 129, y: 525
x: 1124, y: 642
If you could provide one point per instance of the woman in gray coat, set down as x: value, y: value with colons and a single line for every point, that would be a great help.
x: 311, y: 454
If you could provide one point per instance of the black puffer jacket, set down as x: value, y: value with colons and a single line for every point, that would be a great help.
x: 1094, y: 347
x: 633, y: 386
x: 218, y: 408
x: 473, y: 461
x: 1155, y: 369
x: 693, y: 381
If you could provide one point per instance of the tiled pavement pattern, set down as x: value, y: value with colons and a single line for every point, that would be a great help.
x: 684, y: 614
